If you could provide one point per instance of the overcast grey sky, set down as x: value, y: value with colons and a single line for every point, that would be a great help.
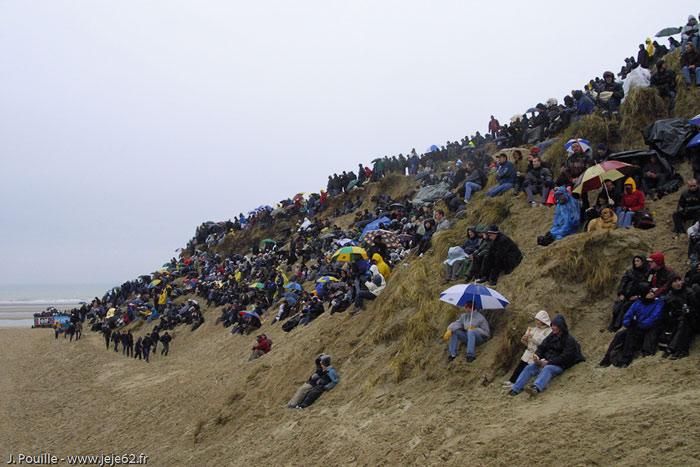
x: 125, y: 124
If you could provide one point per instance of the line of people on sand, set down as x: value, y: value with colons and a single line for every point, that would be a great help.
x: 141, y: 348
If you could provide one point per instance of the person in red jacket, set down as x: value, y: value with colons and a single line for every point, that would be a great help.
x: 659, y: 275
x: 632, y: 201
x: 494, y: 126
x: 262, y: 346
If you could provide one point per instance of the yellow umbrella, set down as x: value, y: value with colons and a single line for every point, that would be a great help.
x: 110, y: 312
x: 594, y: 176
x: 348, y: 254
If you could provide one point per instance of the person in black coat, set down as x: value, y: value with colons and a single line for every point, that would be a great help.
x: 165, y: 339
x: 664, y: 80
x: 688, y: 207
x: 146, y: 344
x: 138, y: 350
x: 503, y: 256
x: 631, y: 284
x: 680, y: 319
x: 558, y: 352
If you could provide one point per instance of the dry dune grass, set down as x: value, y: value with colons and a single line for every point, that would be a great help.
x: 641, y: 108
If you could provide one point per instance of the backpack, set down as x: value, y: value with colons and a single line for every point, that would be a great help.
x: 643, y: 220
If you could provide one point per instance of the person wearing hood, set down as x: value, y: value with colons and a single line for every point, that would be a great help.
x: 532, y: 339
x: 632, y: 201
x: 584, y: 104
x: 642, y: 57
x: 262, y: 346
x: 680, y: 320
x: 641, y: 328
x: 425, y: 240
x: 506, y: 176
x: 306, y: 387
x: 607, y: 221
x: 567, y: 216
x: 383, y: 268
x: 558, y: 352
x: 454, y: 264
x: 629, y: 290
x: 472, y: 329
x: 658, y: 274
x: 472, y: 242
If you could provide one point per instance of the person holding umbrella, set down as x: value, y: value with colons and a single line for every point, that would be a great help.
x: 472, y: 329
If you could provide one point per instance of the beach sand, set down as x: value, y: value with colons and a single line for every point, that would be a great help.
x: 207, y: 405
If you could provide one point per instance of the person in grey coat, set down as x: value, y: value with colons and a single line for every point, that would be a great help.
x: 472, y: 329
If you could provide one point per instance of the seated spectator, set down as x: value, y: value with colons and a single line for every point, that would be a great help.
x: 567, y: 216
x: 558, y: 352
x: 442, y: 223
x: 473, y: 240
x: 694, y: 244
x: 654, y: 176
x: 577, y: 162
x: 601, y: 153
x: 688, y: 207
x: 455, y: 263
x: 690, y: 61
x: 537, y: 180
x: 680, y: 319
x: 642, y: 323
x: 584, y: 104
x: 506, y: 176
x: 532, y: 339
x: 327, y: 379
x: 606, y: 221
x: 521, y: 165
x: 629, y: 290
x: 658, y: 274
x: 611, y: 94
x: 306, y: 387
x: 368, y: 289
x: 472, y: 329
x: 632, y: 201
x: 378, y: 247
x: 384, y: 268
x: 425, y: 240
x: 262, y: 346
x: 502, y: 257
x: 664, y: 80
x: 475, y: 180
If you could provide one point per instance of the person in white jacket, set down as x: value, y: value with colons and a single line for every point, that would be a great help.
x: 532, y: 338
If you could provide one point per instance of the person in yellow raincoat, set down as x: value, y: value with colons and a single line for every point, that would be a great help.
x: 384, y: 268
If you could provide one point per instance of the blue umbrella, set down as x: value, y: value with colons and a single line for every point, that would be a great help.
x: 585, y: 145
x: 695, y: 142
x: 291, y: 298
x: 482, y: 298
x: 433, y: 148
x: 695, y: 120
x: 249, y: 313
x: 293, y: 285
x: 374, y: 225
x: 346, y: 242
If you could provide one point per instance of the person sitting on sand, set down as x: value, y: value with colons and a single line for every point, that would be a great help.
x: 566, y: 220
x: 532, y: 339
x: 558, y: 352
x: 472, y: 329
x: 326, y: 381
x: 632, y: 201
x: 506, y: 176
x: 502, y: 257
x: 262, y: 346
x: 305, y: 388
x: 628, y: 291
x: 641, y: 328
x: 680, y: 319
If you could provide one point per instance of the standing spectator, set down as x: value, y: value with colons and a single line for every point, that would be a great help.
x: 494, y: 127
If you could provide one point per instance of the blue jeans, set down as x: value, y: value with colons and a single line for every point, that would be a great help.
x: 624, y: 218
x: 471, y: 338
x: 685, y: 71
x: 469, y: 189
x: 499, y: 189
x: 544, y: 376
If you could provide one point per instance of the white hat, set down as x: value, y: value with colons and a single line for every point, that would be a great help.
x: 543, y: 316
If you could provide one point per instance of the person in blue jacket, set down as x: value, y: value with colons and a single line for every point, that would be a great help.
x: 641, y: 323
x: 567, y: 214
x: 506, y: 176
